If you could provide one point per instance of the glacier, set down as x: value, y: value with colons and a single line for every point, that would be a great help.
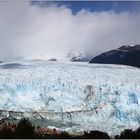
x: 71, y: 96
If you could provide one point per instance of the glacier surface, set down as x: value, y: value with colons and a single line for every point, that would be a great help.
x: 72, y: 96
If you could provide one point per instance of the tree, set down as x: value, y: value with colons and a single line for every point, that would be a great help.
x: 24, y: 129
x: 126, y: 134
x: 97, y: 135
x: 6, y: 133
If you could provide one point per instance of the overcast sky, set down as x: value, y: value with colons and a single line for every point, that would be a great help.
x: 46, y: 30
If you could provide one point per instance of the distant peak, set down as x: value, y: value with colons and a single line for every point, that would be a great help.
x: 124, y: 47
x: 129, y: 47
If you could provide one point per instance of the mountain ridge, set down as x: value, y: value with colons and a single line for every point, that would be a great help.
x: 125, y: 55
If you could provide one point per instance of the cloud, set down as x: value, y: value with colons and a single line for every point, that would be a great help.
x: 32, y: 31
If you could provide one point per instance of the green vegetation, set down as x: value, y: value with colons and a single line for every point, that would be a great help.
x: 24, y: 130
x: 6, y: 133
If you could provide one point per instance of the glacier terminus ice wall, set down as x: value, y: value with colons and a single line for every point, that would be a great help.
x: 71, y: 96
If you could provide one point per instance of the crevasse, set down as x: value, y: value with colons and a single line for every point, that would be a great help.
x: 72, y: 96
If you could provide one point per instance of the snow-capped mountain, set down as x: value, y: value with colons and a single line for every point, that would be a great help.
x: 71, y: 96
x: 77, y: 56
x: 126, y: 55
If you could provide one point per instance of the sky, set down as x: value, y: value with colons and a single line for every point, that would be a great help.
x: 54, y: 29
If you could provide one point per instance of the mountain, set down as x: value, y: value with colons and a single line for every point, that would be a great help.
x: 52, y: 59
x: 78, y: 57
x: 125, y: 55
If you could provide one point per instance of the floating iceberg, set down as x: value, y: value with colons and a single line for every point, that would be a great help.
x: 72, y: 96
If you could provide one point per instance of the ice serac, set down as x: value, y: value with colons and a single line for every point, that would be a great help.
x: 72, y: 96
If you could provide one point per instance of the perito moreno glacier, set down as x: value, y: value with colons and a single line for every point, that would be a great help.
x: 71, y: 96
